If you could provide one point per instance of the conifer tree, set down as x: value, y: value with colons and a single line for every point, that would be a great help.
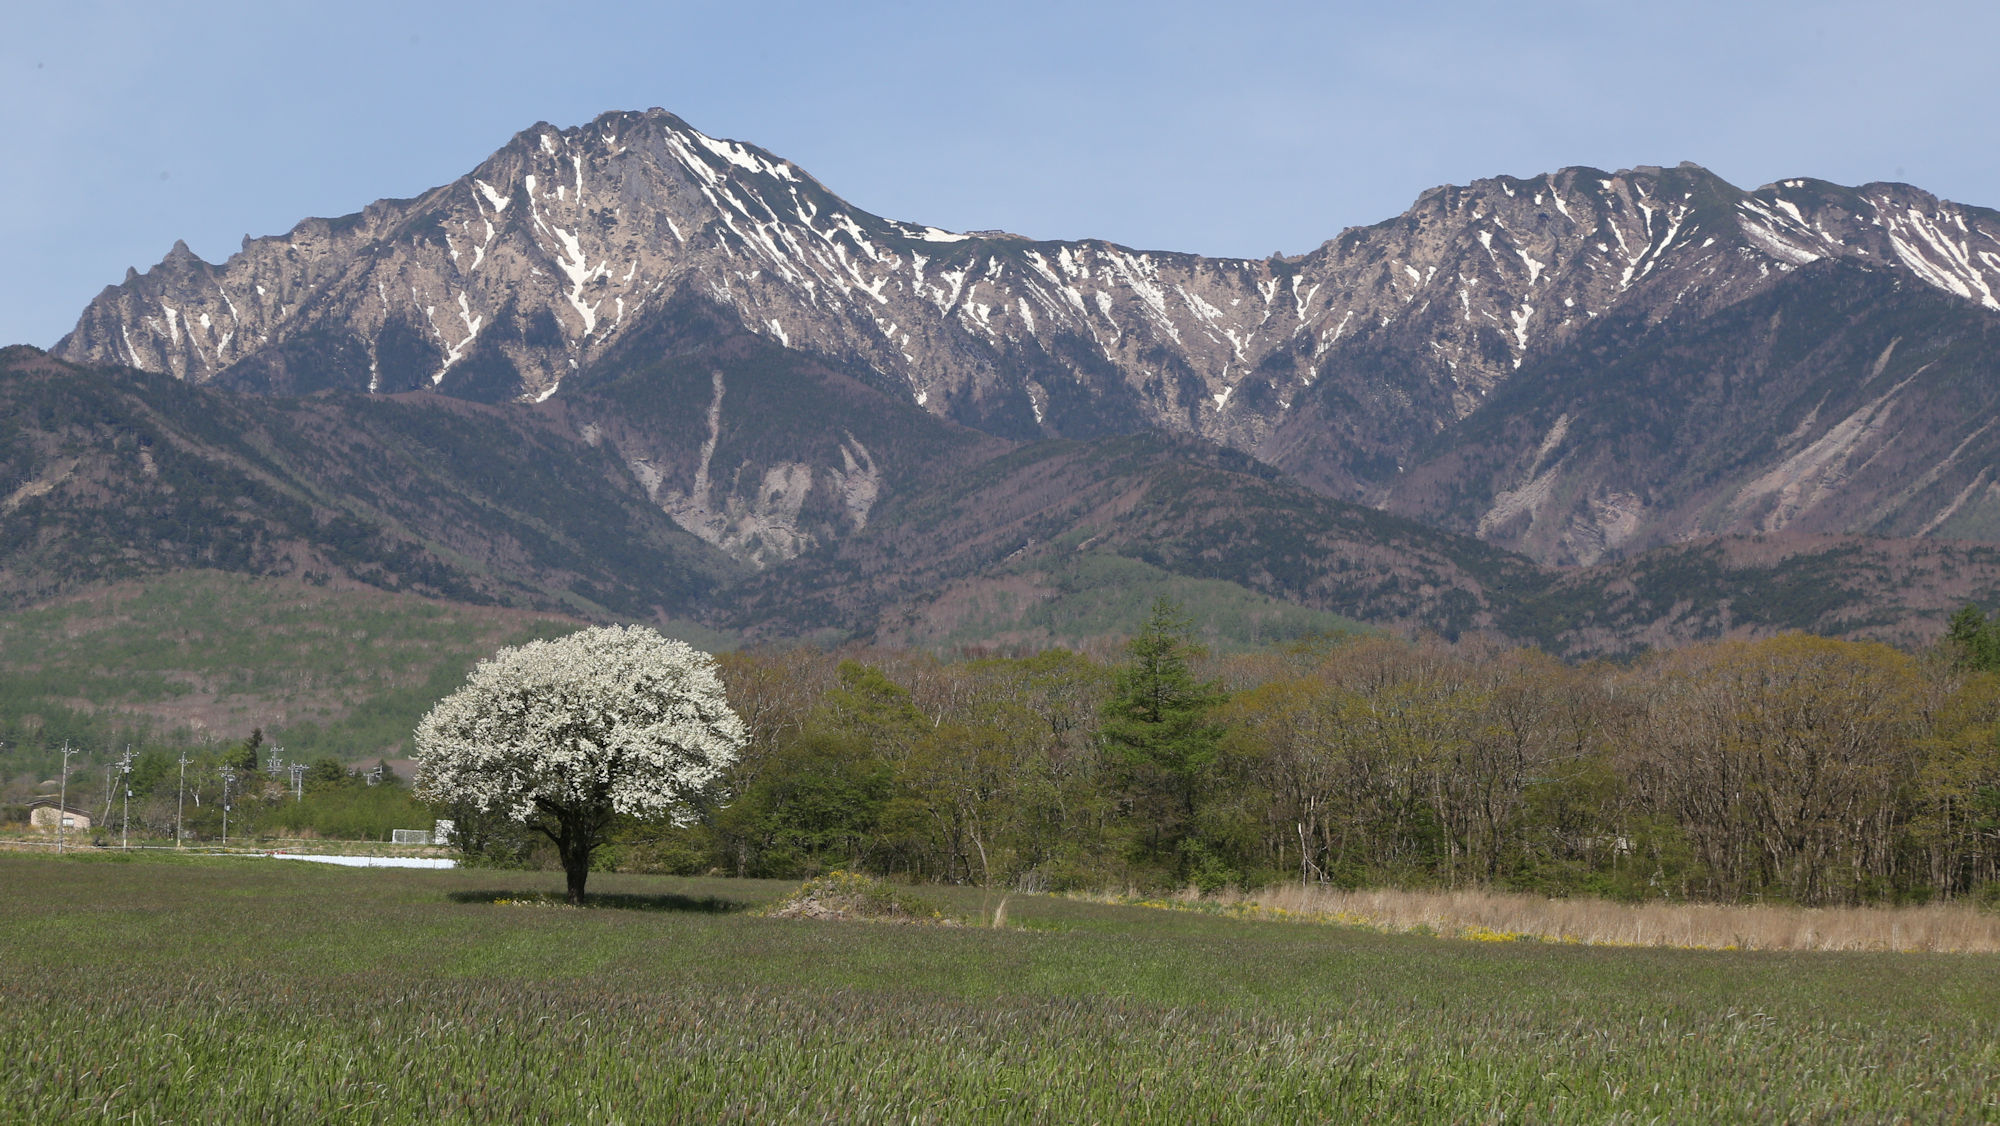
x: 243, y: 756
x: 1159, y: 732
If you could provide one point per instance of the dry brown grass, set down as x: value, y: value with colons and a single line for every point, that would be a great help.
x: 1500, y: 916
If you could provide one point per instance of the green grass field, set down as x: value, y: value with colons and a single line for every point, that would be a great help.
x: 162, y: 989
x: 204, y: 655
x: 1090, y: 597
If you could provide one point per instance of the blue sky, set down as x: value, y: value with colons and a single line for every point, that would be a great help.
x: 1235, y: 129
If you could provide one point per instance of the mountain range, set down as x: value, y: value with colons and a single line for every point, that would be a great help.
x: 632, y: 369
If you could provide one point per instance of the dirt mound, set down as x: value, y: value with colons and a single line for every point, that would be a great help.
x: 848, y: 895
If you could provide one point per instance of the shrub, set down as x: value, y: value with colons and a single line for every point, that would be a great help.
x: 1987, y: 895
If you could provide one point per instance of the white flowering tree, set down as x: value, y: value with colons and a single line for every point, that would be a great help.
x: 563, y: 735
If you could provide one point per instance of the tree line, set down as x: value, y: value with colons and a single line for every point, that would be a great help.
x: 189, y: 790
x: 1797, y: 769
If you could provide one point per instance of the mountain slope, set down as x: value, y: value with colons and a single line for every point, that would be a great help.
x: 1843, y: 400
x: 956, y: 537
x: 828, y: 507
x: 1180, y: 506
x: 1898, y: 591
x: 757, y: 449
x: 115, y: 475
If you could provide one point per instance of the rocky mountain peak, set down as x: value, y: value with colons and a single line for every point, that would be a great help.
x: 505, y: 282
x: 1347, y: 366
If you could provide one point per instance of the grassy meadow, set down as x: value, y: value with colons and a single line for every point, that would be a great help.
x: 1079, y: 601
x: 206, y: 655
x: 156, y: 989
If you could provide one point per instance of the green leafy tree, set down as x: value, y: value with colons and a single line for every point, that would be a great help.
x: 325, y: 773
x: 875, y: 709
x: 1160, y: 735
x: 814, y: 807
x: 1974, y: 640
x: 153, y: 770
x: 488, y: 839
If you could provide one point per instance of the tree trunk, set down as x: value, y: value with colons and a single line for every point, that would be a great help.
x: 574, y: 847
x: 574, y: 836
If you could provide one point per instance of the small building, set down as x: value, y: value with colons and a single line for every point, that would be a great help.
x: 50, y: 814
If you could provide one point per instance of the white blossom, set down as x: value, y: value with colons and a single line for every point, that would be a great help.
x: 612, y: 719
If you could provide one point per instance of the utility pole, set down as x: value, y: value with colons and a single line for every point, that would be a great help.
x: 62, y: 803
x: 125, y: 820
x: 298, y: 782
x: 228, y: 776
x: 180, y: 799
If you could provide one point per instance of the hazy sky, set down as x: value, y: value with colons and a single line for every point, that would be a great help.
x: 1240, y: 128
